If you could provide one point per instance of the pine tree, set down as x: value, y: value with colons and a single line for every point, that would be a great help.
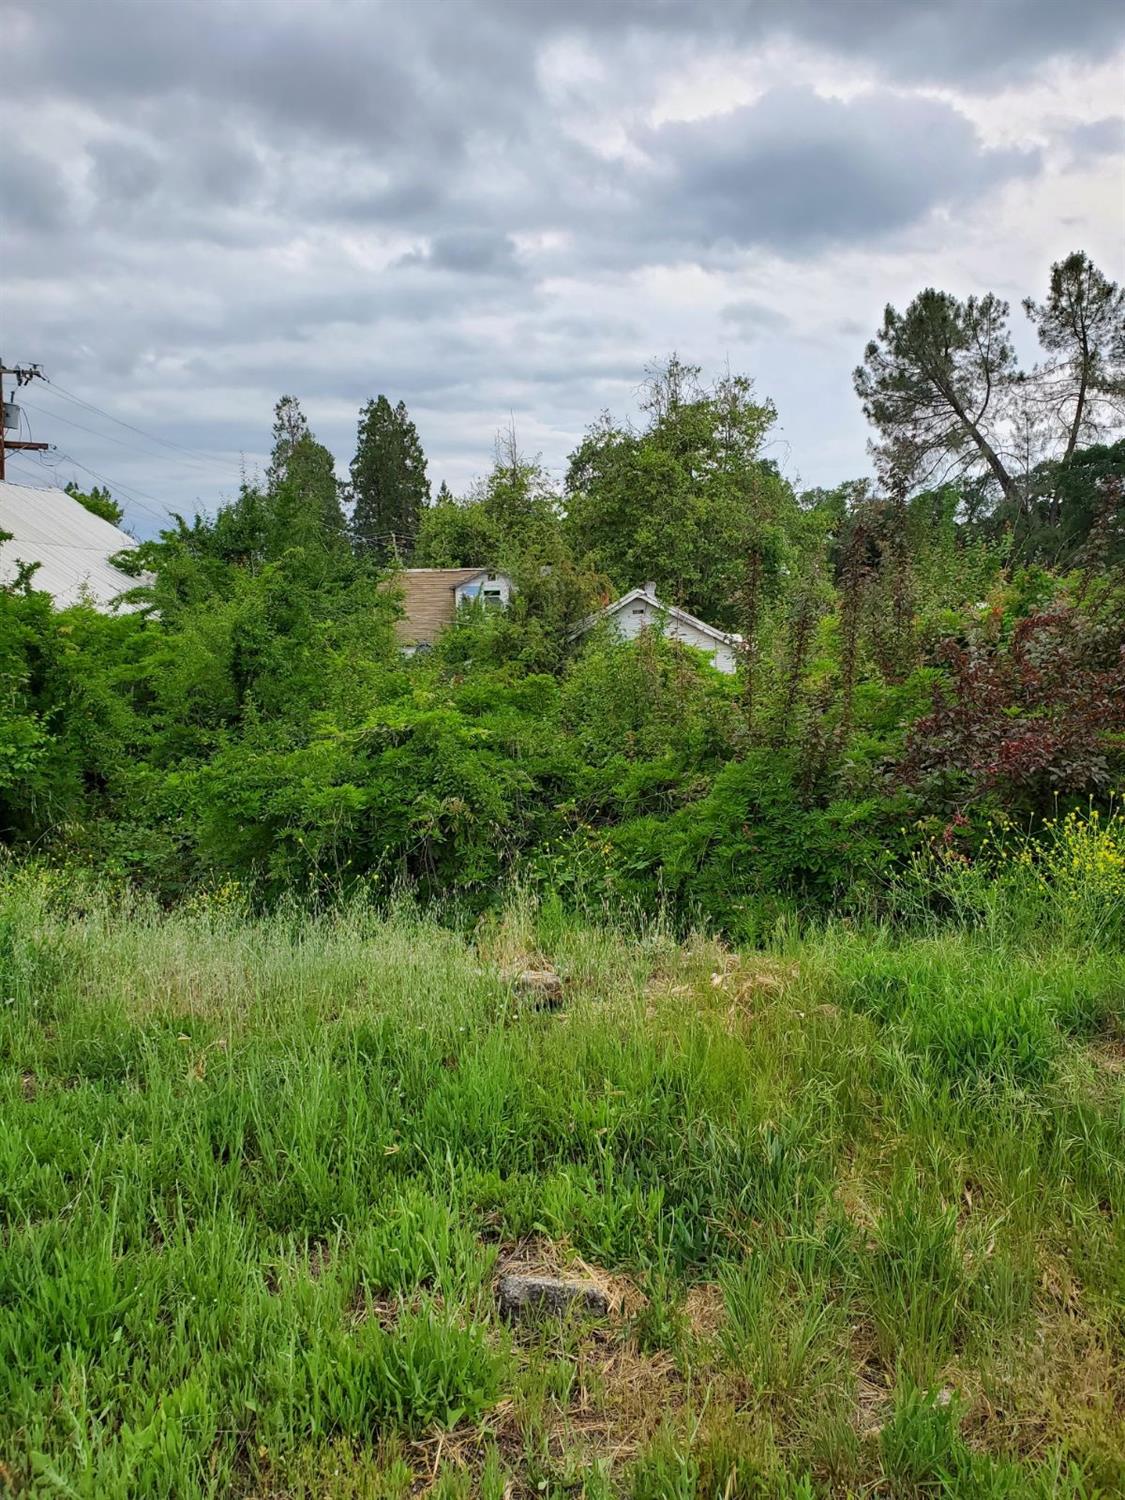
x: 1082, y: 325
x: 389, y: 480
x: 932, y: 382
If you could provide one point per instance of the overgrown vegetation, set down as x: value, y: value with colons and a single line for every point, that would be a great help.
x: 834, y: 1107
x: 913, y: 662
x: 856, y: 1197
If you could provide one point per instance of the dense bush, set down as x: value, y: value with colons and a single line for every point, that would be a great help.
x: 902, y: 679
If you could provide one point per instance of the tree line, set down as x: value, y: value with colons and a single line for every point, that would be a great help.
x: 921, y: 655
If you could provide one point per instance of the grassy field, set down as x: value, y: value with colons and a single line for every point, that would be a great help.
x: 856, y: 1199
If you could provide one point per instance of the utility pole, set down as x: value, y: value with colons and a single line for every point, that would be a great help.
x: 24, y: 374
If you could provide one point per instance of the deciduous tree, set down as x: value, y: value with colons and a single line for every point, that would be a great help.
x: 683, y: 501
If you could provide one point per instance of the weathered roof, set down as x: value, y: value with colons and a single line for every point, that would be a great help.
x: 71, y: 545
x: 673, y: 611
x: 428, y: 601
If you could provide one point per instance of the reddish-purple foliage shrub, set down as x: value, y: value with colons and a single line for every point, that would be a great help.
x: 1029, y: 718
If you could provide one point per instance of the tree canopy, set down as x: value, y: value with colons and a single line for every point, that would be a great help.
x: 1081, y: 325
x: 683, y: 499
x: 942, y: 387
x: 932, y: 383
x: 390, y: 485
x: 914, y: 658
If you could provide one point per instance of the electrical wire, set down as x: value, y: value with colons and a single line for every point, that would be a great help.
x: 106, y: 437
x: 21, y: 464
x: 198, y: 453
x: 138, y: 497
x: 132, y: 496
x: 66, y: 458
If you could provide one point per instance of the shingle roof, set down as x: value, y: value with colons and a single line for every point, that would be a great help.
x: 428, y: 601
x: 72, y: 546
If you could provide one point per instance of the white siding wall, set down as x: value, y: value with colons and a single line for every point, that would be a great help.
x: 484, y: 586
x: 635, y: 616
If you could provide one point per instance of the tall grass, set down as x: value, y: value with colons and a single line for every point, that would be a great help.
x: 257, y: 1172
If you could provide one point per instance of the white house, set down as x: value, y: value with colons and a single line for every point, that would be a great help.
x: 640, y: 609
x: 72, y: 546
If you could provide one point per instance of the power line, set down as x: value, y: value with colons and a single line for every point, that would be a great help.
x: 132, y: 496
x: 197, y: 453
x: 26, y: 467
x: 109, y: 438
x: 137, y: 497
x: 163, y: 514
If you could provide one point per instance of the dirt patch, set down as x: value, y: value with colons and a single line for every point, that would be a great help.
x: 749, y: 985
x: 387, y: 1308
x: 874, y: 1383
x: 851, y: 1194
x: 617, y: 1395
x: 313, y: 1262
x: 622, y: 1399
x: 872, y: 1403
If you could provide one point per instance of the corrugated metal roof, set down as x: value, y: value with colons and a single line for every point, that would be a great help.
x: 72, y: 546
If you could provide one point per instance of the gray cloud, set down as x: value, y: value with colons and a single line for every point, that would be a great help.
x: 472, y: 252
x: 1105, y: 137
x: 123, y: 173
x: 796, y: 171
x: 754, y: 319
x: 392, y: 77
x: 33, y: 193
x: 202, y: 204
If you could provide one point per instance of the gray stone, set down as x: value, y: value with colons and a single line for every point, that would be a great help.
x: 540, y: 986
x: 521, y: 1296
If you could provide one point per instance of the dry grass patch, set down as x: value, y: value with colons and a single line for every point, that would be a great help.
x: 705, y: 1311
x: 539, y: 1256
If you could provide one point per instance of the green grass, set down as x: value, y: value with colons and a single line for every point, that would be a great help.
x: 861, y: 1194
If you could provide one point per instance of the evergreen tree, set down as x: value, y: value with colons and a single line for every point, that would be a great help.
x: 302, y: 491
x: 389, y: 480
x: 933, y: 382
x: 1081, y: 325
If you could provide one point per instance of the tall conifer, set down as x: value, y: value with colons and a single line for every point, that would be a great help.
x: 389, y: 480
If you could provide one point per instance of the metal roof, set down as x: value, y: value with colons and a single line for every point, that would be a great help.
x: 72, y: 546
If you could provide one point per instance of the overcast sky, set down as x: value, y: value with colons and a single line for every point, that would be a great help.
x: 494, y: 207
